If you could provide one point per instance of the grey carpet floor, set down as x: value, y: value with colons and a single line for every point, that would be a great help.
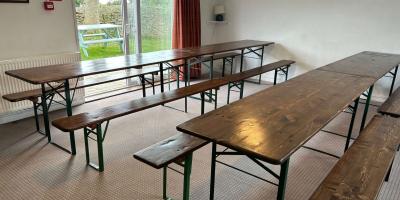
x: 30, y: 168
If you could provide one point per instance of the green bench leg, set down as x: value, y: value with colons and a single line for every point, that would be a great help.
x: 186, y: 178
x: 283, y: 180
x: 368, y: 101
x: 353, y: 117
x: 99, y: 141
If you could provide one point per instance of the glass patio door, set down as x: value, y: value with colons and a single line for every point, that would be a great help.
x: 110, y: 28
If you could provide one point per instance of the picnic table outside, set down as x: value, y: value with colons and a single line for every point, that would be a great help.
x: 107, y: 32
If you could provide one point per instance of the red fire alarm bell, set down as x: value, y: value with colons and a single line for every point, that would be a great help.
x: 48, y: 5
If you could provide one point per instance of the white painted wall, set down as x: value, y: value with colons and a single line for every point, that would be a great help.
x: 29, y: 30
x: 311, y: 32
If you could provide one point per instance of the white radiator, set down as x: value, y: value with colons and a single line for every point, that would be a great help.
x: 13, y: 111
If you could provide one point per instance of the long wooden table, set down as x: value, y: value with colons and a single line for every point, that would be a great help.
x: 62, y: 74
x: 271, y: 125
x: 367, y: 64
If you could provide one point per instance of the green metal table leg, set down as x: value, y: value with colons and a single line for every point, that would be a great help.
x: 213, y: 162
x: 161, y: 77
x: 165, y: 183
x: 100, y: 147
x: 216, y: 99
x: 261, y: 63
x: 152, y: 81
x: 185, y: 75
x: 394, y: 80
x: 275, y: 76
x: 283, y: 180
x: 241, y: 60
x: 223, y: 66
x: 69, y: 113
x: 86, y: 138
x: 287, y: 72
x: 232, y: 60
x: 388, y: 173
x: 45, y: 113
x: 186, y: 178
x: 143, y: 83
x: 229, y: 93
x: 364, y: 118
x: 241, y: 89
x: 35, y: 108
x: 202, y: 103
x: 353, y: 117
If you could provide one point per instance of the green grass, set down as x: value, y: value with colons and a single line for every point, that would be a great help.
x: 113, y: 49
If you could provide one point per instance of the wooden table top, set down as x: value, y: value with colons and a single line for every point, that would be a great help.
x: 62, y: 72
x: 371, y: 64
x: 274, y: 123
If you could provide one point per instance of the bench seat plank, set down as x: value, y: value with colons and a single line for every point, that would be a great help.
x: 392, y: 105
x: 361, y: 171
x: 207, y: 58
x: 170, y: 150
x: 25, y: 95
x: 258, y: 70
x: 107, y: 113
x: 111, y: 112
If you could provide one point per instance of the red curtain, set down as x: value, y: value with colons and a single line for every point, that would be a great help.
x: 186, y: 31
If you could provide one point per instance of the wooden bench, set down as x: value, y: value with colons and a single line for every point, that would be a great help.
x: 92, y: 122
x: 177, y: 148
x: 237, y: 80
x: 391, y: 106
x: 360, y: 173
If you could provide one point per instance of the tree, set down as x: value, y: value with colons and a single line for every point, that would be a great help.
x: 91, y: 8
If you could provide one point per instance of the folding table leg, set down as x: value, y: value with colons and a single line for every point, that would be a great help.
x: 213, y: 162
x: 241, y: 89
x: 353, y: 117
x: 68, y: 102
x: 35, y: 108
x: 283, y: 180
x: 364, y: 118
x: 45, y: 114
x: 223, y: 67
x: 261, y: 63
x: 202, y: 102
x: 393, y: 81
x: 216, y: 99
x: 275, y: 76
x: 165, y: 183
